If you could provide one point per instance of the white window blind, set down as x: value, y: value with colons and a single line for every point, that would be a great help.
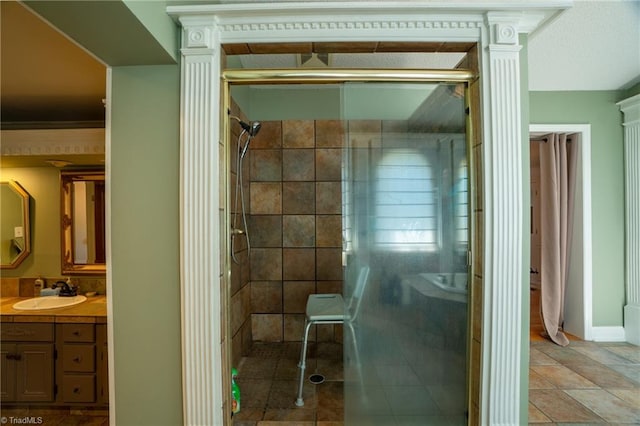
x: 461, y: 204
x: 405, y: 207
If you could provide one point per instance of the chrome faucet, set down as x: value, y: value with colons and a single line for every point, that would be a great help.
x: 66, y: 289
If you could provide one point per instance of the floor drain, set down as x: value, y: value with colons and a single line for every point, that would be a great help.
x: 316, y: 379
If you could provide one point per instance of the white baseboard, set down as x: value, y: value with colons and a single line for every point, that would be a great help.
x: 608, y: 334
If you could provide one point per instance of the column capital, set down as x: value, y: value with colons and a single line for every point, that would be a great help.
x: 630, y: 107
x: 503, y: 28
x: 198, y: 35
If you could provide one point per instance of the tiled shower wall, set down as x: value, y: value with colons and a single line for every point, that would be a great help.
x: 292, y: 190
x: 295, y: 225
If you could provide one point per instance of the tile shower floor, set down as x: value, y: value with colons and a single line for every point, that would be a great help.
x: 268, y: 380
x: 583, y: 383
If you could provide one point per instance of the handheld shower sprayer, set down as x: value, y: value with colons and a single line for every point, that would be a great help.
x: 251, y: 128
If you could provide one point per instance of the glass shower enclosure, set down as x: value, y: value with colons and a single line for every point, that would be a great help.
x: 405, y: 202
x: 406, y: 217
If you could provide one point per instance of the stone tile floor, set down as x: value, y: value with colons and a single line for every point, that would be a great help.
x: 585, y: 383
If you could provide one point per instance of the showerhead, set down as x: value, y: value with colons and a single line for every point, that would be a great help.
x: 252, y: 129
x: 255, y: 128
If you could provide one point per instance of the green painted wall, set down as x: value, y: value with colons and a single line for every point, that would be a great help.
x: 145, y: 245
x: 112, y: 30
x: 43, y: 185
x: 607, y: 187
x: 153, y: 15
x: 354, y: 101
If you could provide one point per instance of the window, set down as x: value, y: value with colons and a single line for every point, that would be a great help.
x: 405, y: 210
x: 461, y: 205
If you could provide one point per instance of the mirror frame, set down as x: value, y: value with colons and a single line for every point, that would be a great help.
x: 67, y: 178
x: 21, y: 192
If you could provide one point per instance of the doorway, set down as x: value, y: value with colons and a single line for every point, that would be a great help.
x: 315, y: 195
x: 578, y: 298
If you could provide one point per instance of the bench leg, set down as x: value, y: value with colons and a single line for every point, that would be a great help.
x: 301, y: 364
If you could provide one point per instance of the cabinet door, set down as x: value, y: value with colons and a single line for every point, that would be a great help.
x: 8, y: 372
x: 34, y: 372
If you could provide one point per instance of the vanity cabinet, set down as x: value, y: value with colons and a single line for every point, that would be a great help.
x: 76, y: 362
x: 54, y: 364
x: 81, y: 366
x: 27, y: 362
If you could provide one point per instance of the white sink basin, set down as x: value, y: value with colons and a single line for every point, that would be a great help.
x: 48, y: 302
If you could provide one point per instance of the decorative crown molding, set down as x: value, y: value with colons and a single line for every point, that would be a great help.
x: 630, y: 107
x: 431, y: 22
x: 53, y: 142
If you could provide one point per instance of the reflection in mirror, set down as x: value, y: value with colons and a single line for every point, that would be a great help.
x: 83, y: 222
x: 15, y: 244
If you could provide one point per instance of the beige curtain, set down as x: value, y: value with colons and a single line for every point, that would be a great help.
x: 557, y: 186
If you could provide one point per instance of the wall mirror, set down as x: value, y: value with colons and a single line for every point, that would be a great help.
x: 15, y: 229
x: 83, y: 221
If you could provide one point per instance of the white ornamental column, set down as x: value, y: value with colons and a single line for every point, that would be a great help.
x: 501, y: 370
x: 631, y: 109
x: 200, y: 223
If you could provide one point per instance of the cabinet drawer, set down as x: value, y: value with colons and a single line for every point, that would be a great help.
x: 26, y: 332
x: 77, y: 388
x: 78, y: 332
x: 79, y: 358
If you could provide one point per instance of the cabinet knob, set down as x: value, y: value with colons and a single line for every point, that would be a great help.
x: 76, y: 333
x: 76, y: 390
x: 16, y: 357
x: 77, y: 359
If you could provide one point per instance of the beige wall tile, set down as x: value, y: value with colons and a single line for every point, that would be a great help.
x: 330, y: 133
x: 325, y: 287
x: 329, y: 264
x: 298, y: 264
x: 329, y: 164
x: 298, y: 231
x: 293, y: 327
x: 266, y: 165
x: 267, y: 327
x: 298, y: 164
x: 298, y: 197
x: 269, y: 137
x: 298, y: 134
x: 329, y: 230
x: 295, y: 295
x: 266, y: 198
x: 265, y: 230
x: 266, y: 297
x: 266, y: 264
x: 328, y: 198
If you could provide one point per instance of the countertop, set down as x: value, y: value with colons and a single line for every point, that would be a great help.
x: 93, y: 310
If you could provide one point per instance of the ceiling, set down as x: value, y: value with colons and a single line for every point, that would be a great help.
x: 595, y: 45
x: 46, y: 77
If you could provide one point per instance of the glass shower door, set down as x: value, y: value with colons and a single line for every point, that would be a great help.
x: 405, y: 218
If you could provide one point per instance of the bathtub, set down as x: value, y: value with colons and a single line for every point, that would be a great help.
x: 454, y: 282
